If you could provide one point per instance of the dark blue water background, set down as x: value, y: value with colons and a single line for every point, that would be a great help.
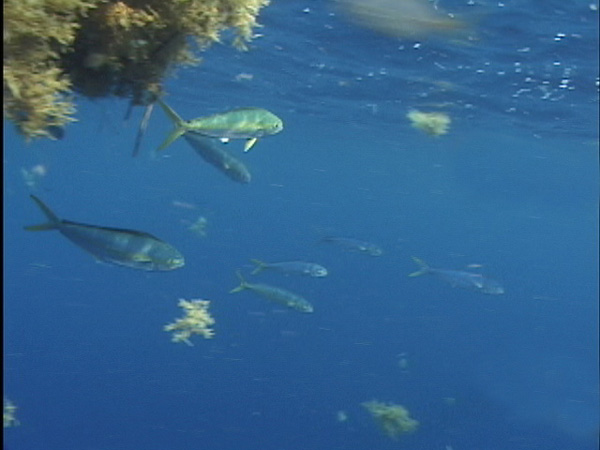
x: 513, y: 187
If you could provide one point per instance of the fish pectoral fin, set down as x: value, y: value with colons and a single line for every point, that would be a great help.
x: 249, y: 144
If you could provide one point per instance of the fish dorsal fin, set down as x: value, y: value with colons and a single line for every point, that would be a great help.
x: 243, y: 109
x: 141, y: 234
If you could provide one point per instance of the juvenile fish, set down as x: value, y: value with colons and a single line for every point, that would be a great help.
x: 292, y: 267
x: 220, y: 158
x: 354, y: 245
x: 275, y: 294
x: 242, y: 123
x: 461, y: 279
x: 129, y: 248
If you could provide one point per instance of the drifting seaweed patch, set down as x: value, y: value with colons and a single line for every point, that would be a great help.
x: 99, y: 48
x: 393, y: 419
x: 197, y: 320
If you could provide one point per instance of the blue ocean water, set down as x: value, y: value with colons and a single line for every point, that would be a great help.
x: 512, y: 187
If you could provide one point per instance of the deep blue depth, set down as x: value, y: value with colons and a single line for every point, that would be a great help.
x: 513, y: 187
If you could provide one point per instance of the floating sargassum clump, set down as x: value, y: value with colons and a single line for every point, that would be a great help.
x: 432, y: 123
x: 197, y: 320
x: 393, y: 419
x: 8, y: 414
x: 100, y: 48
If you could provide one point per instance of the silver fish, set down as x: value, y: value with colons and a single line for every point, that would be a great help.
x: 275, y: 294
x: 129, y: 248
x: 354, y: 245
x: 220, y: 158
x: 291, y: 267
x: 461, y: 279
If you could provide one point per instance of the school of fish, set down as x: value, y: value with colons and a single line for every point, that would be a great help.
x: 142, y: 251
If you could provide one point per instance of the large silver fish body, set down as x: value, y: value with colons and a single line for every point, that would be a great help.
x: 242, y: 123
x: 458, y: 278
x: 129, y: 248
x: 275, y: 294
x: 220, y: 158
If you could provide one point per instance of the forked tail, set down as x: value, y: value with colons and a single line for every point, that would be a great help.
x: 242, y: 285
x: 424, y: 267
x: 179, y: 123
x: 260, y: 266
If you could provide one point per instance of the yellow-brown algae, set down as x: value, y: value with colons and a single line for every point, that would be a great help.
x: 197, y: 320
x: 432, y: 123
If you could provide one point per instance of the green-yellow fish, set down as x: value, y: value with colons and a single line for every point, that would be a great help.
x: 130, y: 248
x: 242, y: 123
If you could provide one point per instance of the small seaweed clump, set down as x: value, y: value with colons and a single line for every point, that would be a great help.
x: 432, y: 123
x: 393, y: 419
x: 197, y: 320
x: 8, y: 414
x: 99, y: 48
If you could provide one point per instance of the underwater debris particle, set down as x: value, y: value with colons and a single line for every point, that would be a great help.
x: 199, y: 226
x: 32, y: 176
x: 341, y: 416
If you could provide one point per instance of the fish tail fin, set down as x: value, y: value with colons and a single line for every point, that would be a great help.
x: 424, y: 267
x: 53, y: 220
x: 260, y: 266
x: 179, y: 123
x: 322, y: 233
x: 242, y: 285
